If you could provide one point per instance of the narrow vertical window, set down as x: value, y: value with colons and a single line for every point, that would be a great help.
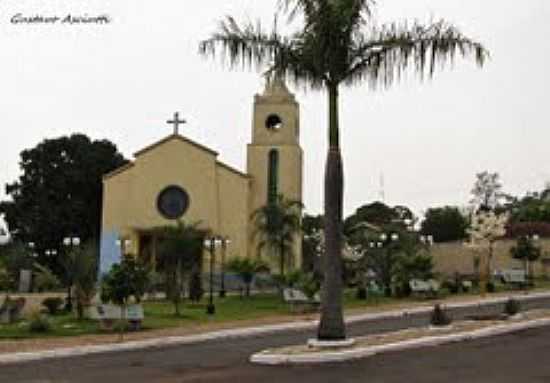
x: 272, y: 175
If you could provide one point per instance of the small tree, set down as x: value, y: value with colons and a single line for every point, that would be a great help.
x: 125, y: 280
x: 179, y: 255
x: 246, y: 269
x: 526, y: 251
x: 276, y: 226
x: 486, y: 228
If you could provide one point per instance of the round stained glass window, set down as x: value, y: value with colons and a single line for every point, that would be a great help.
x: 173, y: 202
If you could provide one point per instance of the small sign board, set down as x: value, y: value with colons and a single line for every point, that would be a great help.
x: 514, y: 276
x: 101, y: 312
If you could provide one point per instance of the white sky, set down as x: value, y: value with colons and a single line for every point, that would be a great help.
x: 124, y: 80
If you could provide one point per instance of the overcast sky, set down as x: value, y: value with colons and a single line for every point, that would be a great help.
x: 123, y: 80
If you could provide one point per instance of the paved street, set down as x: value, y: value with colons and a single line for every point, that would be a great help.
x: 521, y: 357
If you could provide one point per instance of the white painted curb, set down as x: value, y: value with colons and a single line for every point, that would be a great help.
x: 269, y: 358
x: 235, y: 333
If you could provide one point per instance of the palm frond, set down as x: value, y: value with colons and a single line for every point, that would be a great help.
x: 380, y: 55
x: 247, y: 45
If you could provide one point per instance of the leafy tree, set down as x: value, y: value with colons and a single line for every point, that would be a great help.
x: 124, y: 281
x: 376, y: 213
x: 534, y: 207
x: 487, y: 191
x: 276, y: 226
x: 59, y: 193
x: 246, y: 269
x: 526, y: 250
x: 336, y: 44
x: 445, y: 224
x: 394, y: 260
x: 180, y: 253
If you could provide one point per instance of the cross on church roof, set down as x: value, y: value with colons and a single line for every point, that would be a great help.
x: 176, y: 122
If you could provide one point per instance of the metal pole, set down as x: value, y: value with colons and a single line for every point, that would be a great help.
x: 224, y: 248
x: 211, y: 309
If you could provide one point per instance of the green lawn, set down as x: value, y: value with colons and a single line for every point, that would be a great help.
x: 160, y: 314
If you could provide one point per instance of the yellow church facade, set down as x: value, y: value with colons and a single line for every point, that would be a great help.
x: 179, y: 179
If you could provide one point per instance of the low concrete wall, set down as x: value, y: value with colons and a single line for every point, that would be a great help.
x: 457, y: 257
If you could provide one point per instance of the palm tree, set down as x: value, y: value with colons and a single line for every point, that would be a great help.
x: 80, y: 266
x: 338, y: 44
x: 179, y: 251
x: 246, y: 269
x: 275, y: 226
x: 85, y: 277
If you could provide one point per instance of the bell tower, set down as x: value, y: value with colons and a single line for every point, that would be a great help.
x: 275, y: 158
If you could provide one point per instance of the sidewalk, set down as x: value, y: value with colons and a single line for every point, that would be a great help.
x: 53, y: 348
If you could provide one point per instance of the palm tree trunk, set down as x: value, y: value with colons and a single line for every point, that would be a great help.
x: 331, y: 325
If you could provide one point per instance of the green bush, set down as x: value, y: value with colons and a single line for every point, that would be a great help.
x: 439, y: 317
x: 491, y: 288
x: 6, y: 281
x: 451, y: 286
x: 39, y: 323
x: 309, y: 285
x: 53, y: 305
x: 45, y: 279
x: 512, y: 307
x: 196, y: 291
x: 361, y: 293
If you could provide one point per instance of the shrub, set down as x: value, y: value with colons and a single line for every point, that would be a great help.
x: 45, y: 279
x: 309, y: 285
x: 6, y: 281
x: 39, y: 323
x: 522, y: 229
x: 491, y: 288
x: 451, y: 286
x: 246, y: 269
x: 361, y: 293
x: 439, y: 317
x: 512, y: 307
x: 195, y: 287
x: 53, y: 304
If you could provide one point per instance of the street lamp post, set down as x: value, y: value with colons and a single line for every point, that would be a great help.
x: 225, y: 242
x: 385, y: 240
x: 211, y: 244
x: 534, y: 238
x: 70, y: 242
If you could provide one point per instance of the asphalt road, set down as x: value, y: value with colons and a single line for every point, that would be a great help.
x: 520, y: 357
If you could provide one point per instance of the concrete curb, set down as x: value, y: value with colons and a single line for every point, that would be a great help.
x: 235, y: 333
x: 268, y: 358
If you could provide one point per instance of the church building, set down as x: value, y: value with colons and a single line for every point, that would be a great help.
x: 179, y: 179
